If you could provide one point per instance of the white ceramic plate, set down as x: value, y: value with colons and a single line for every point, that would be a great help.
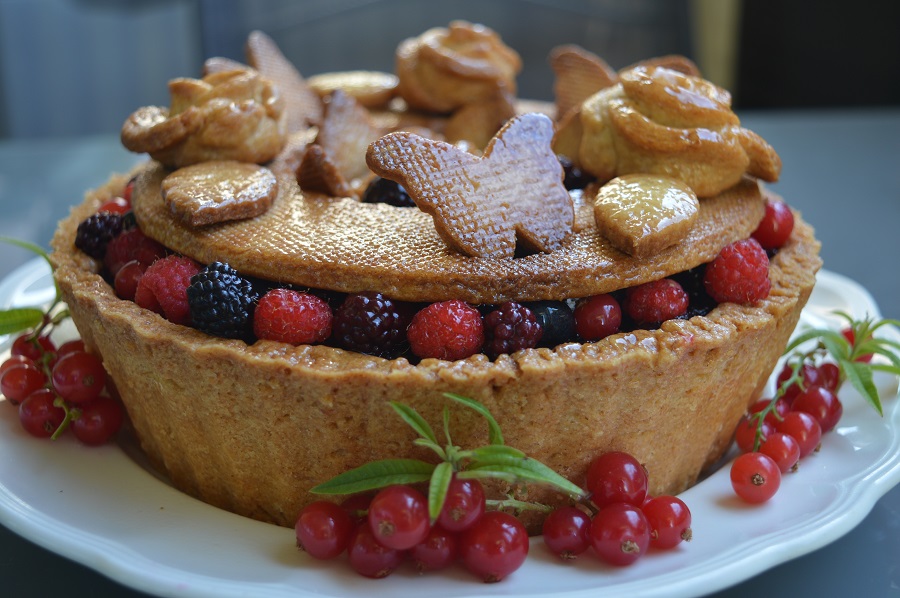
x: 105, y: 509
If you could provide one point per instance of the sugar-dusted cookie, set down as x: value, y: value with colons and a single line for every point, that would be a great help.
x: 219, y: 191
x: 483, y: 206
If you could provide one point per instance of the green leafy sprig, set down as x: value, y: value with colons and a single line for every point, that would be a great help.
x: 495, y: 460
x: 851, y: 352
x: 33, y: 318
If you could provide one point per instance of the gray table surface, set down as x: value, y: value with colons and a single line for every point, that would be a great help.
x: 841, y: 169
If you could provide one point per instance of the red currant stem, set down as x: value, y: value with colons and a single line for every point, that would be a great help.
x: 72, y: 413
x: 518, y: 505
x: 60, y: 317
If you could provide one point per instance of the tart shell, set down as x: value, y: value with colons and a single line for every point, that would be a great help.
x: 251, y: 429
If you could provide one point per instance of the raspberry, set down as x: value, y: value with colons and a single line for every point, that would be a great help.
x: 371, y: 323
x: 510, y: 328
x: 446, y: 330
x: 292, y: 317
x: 96, y: 231
x: 129, y: 246
x: 163, y: 288
x: 655, y: 302
x: 739, y: 274
x: 221, y: 302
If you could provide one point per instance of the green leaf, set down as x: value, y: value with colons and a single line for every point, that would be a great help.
x: 415, y: 421
x: 377, y: 474
x: 495, y: 436
x: 521, y: 469
x: 495, y: 451
x: 437, y: 489
x: 20, y: 318
x: 860, y: 376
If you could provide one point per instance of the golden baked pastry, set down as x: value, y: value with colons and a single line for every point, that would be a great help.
x: 372, y: 89
x: 656, y: 120
x: 227, y: 115
x: 446, y: 68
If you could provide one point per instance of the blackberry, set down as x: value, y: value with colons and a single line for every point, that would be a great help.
x: 96, y: 231
x: 222, y: 302
x: 371, y: 323
x: 510, y: 328
x: 557, y: 321
x: 699, y: 301
x: 382, y: 190
x: 574, y: 177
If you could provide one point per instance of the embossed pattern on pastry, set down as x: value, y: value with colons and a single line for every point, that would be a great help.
x: 659, y: 121
x: 227, y: 115
x: 482, y: 206
x: 446, y: 68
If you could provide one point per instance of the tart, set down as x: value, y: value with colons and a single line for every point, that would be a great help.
x: 250, y: 425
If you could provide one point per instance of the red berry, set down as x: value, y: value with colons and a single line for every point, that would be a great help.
x: 822, y: 404
x: 163, y: 288
x: 116, y: 205
x: 132, y: 245
x: 323, y: 529
x: 32, y: 347
x: 783, y: 449
x: 357, y: 506
x: 437, y: 551
x: 464, y: 505
x: 620, y: 534
x: 99, y: 421
x: 755, y: 477
x: 654, y: 302
x: 772, y: 418
x: 14, y: 360
x: 830, y: 376
x: 510, y: 328
x: 775, y: 228
x: 20, y: 380
x: 809, y: 374
x: 739, y: 274
x: 127, y: 280
x: 398, y: 517
x: 747, y: 431
x: 448, y: 330
x: 79, y: 377
x: 38, y: 415
x: 670, y: 521
x: 292, y: 317
x: 72, y: 346
x: 805, y: 430
x: 850, y: 335
x: 616, y: 477
x: 370, y: 558
x: 597, y: 317
x: 566, y: 532
x: 494, y: 547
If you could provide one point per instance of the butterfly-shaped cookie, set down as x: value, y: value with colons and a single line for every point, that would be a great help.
x: 483, y: 206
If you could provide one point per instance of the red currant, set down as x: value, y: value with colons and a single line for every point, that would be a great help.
x: 809, y: 375
x: 822, y: 404
x: 20, y: 380
x: 566, y: 532
x: 850, y: 335
x: 620, y: 533
x: 775, y: 228
x: 616, y: 477
x: 32, y: 347
x: 746, y: 433
x: 73, y: 346
x: 437, y: 551
x: 670, y: 521
x: 357, y: 506
x: 398, y: 517
x: 830, y: 376
x: 463, y: 506
x: 127, y: 279
x: 805, y: 430
x: 99, y: 421
x: 783, y: 449
x: 597, y: 317
x: 494, y: 547
x: 15, y: 360
x: 116, y: 205
x: 323, y: 529
x: 39, y: 416
x: 79, y: 377
x: 368, y: 557
x: 781, y: 408
x: 755, y: 477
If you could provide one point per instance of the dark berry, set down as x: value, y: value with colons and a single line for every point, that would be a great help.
x: 739, y: 274
x: 96, y: 231
x: 556, y: 320
x: 371, y: 323
x: 222, y: 302
x: 654, y: 302
x: 382, y: 190
x: 699, y: 301
x: 510, y: 328
x: 574, y: 177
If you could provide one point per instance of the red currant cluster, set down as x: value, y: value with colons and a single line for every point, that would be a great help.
x: 60, y: 388
x: 622, y: 521
x: 780, y: 431
x: 380, y: 532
